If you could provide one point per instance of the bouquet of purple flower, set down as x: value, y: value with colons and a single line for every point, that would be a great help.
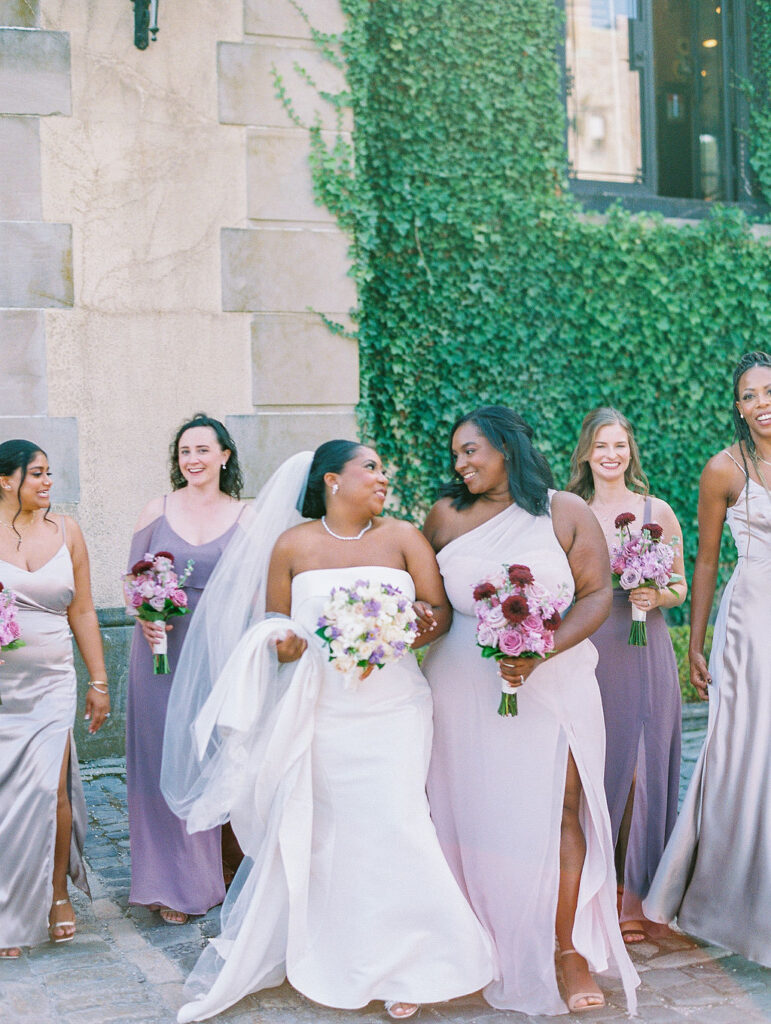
x: 154, y: 590
x: 10, y: 633
x: 366, y: 626
x: 516, y: 618
x: 641, y: 560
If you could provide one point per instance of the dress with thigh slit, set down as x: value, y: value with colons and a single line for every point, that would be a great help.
x: 496, y: 785
x: 38, y: 692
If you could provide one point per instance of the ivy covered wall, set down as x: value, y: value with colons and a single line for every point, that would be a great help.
x: 480, y: 279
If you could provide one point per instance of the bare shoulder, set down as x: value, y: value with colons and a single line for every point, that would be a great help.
x: 569, y: 507
x: 149, y: 513
x: 398, y: 527
x: 439, y: 515
x: 295, y: 537
x: 723, y: 474
x: 662, y: 510
x: 67, y: 526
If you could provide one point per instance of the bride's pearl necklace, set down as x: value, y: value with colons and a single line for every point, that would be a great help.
x: 337, y: 536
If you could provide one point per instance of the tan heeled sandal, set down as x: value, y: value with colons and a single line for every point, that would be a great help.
x: 391, y: 1004
x: 597, y: 996
x: 61, y: 924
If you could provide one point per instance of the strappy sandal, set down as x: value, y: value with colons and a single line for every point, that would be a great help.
x: 173, y: 916
x: 52, y: 928
x: 10, y: 953
x: 633, y: 932
x: 410, y: 1009
x: 597, y: 996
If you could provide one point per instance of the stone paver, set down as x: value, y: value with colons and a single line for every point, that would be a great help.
x: 126, y: 967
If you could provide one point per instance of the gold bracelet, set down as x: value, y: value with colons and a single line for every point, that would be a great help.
x: 97, y: 684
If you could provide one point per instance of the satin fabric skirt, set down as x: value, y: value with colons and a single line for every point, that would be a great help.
x: 38, y: 691
x: 715, y: 875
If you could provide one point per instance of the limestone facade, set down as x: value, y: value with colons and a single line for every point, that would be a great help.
x: 160, y: 249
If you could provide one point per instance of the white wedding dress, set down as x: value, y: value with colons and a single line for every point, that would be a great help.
x: 344, y: 889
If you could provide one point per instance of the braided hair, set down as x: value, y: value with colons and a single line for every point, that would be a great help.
x: 741, y: 428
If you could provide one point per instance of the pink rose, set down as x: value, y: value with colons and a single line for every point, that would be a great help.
x: 486, y: 637
x: 179, y: 599
x: 630, y: 578
x: 511, y: 642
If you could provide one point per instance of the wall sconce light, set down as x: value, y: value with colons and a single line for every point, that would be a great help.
x: 145, y: 22
x: 709, y: 44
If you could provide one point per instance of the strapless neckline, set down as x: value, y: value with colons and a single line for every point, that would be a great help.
x: 351, y: 568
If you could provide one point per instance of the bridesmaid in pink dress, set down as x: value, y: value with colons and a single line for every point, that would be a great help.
x: 518, y: 803
x: 171, y: 871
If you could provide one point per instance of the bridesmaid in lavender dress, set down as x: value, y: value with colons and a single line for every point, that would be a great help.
x: 518, y: 803
x: 171, y: 871
x: 639, y: 685
x: 43, y: 560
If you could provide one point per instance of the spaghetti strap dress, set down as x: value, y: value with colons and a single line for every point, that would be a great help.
x: 642, y: 706
x: 39, y: 692
x: 715, y: 875
x: 169, y: 867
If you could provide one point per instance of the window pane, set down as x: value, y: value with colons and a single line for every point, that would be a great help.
x: 604, y: 138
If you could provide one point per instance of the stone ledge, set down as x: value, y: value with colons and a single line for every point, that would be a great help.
x: 19, y: 13
x: 20, y: 181
x: 281, y: 18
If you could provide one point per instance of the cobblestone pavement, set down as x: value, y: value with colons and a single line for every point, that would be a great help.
x: 126, y: 966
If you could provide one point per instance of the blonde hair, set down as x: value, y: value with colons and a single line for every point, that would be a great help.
x: 581, y: 480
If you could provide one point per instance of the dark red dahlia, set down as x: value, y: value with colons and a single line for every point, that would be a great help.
x: 141, y: 566
x: 483, y: 590
x: 624, y: 519
x: 164, y: 554
x: 1, y: 587
x: 553, y: 622
x: 520, y: 574
x: 515, y: 609
x: 654, y: 530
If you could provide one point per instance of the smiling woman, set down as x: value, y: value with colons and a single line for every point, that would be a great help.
x: 714, y: 876
x: 44, y: 562
x: 196, y: 521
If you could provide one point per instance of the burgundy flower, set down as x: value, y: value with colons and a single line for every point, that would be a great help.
x: 164, y: 554
x: 141, y: 566
x: 1, y: 587
x: 654, y: 530
x: 624, y: 519
x: 483, y: 590
x: 515, y: 609
x: 520, y: 574
x: 553, y: 622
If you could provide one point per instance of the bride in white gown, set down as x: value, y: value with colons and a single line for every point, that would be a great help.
x: 344, y: 889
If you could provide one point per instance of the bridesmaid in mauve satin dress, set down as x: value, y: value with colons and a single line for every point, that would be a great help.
x: 639, y: 685
x: 171, y: 871
x: 43, y: 560
x: 715, y: 875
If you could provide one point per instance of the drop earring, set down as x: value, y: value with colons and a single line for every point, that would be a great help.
x: 335, y: 488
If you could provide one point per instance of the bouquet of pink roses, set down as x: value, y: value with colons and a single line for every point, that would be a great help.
x: 10, y: 634
x: 516, y: 618
x: 154, y: 591
x: 641, y: 560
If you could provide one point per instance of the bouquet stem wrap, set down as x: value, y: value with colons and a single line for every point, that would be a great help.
x: 638, y: 634
x: 161, y: 656
x: 508, y: 705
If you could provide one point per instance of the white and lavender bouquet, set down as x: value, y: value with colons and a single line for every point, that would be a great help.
x: 155, y: 592
x: 366, y: 626
x: 10, y: 633
x: 641, y: 560
x: 516, y: 618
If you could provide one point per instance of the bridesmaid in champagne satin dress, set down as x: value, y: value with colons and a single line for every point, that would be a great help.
x: 715, y: 874
x: 171, y: 871
x: 43, y: 560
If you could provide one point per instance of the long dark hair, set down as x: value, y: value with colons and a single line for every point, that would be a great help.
x: 231, y: 478
x: 17, y: 454
x: 528, y: 471
x: 329, y: 457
